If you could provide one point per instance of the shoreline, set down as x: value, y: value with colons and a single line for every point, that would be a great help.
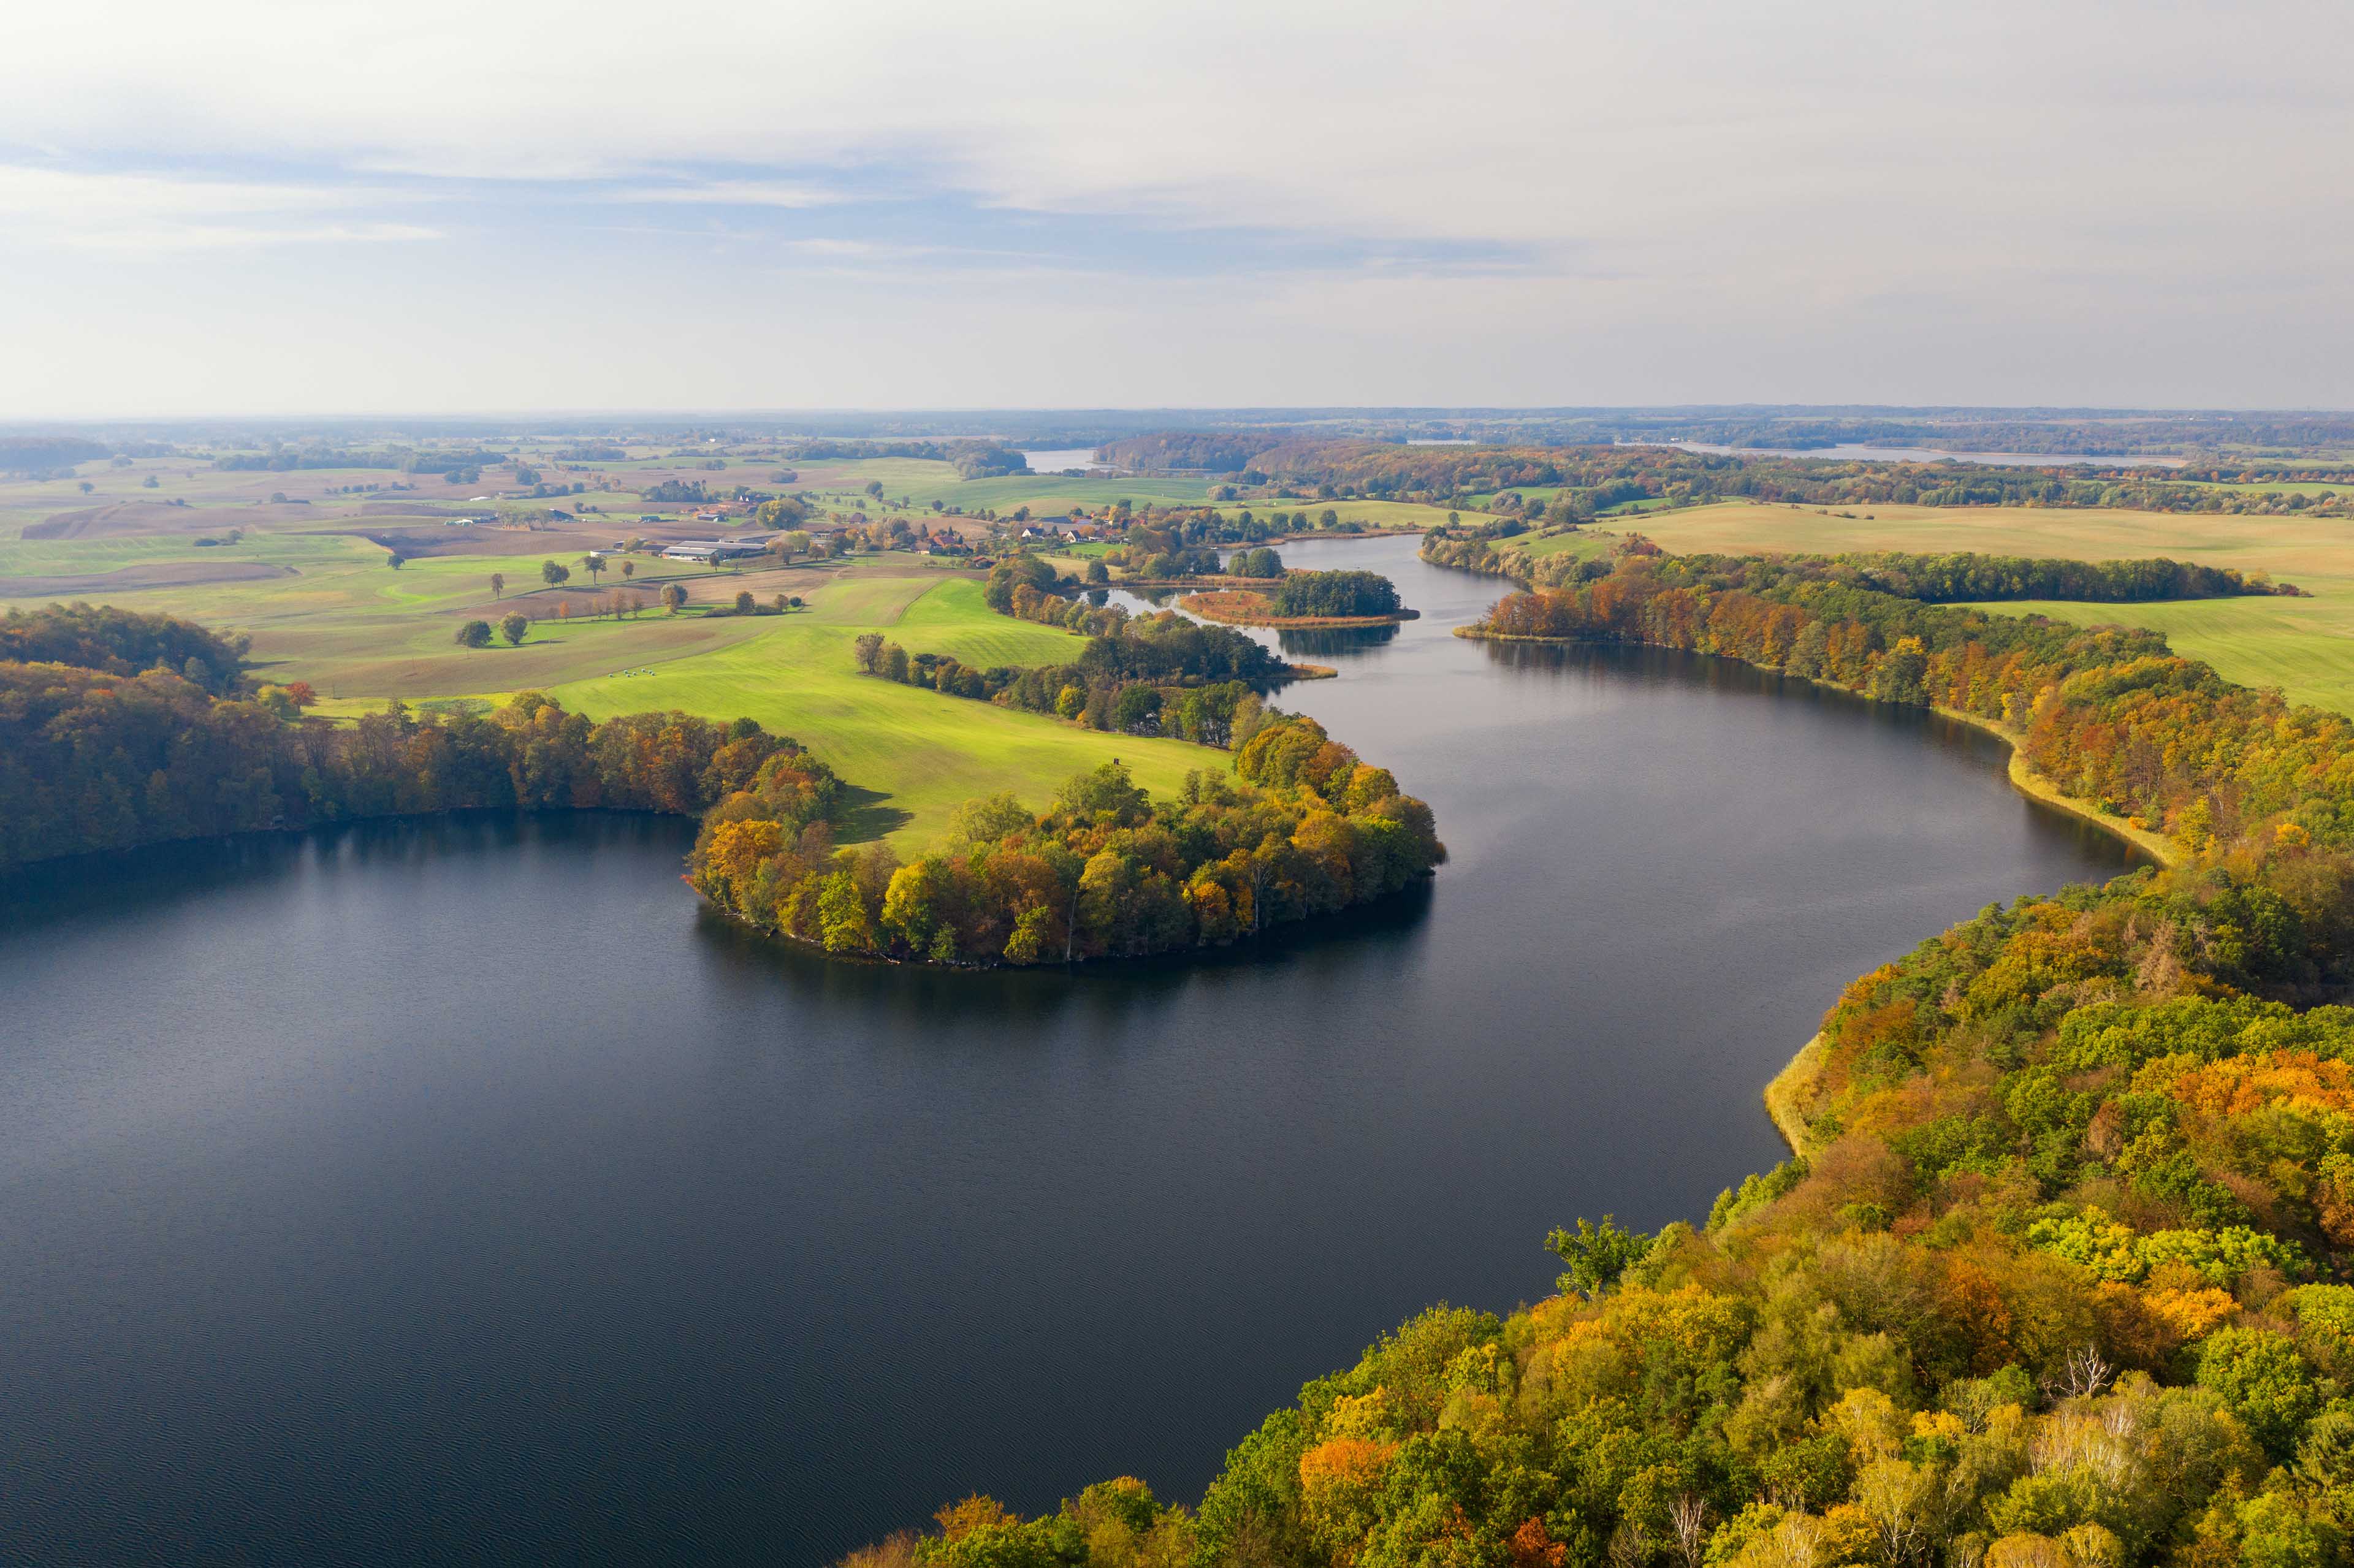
x: 2023, y: 776
x: 2036, y: 786
x: 1786, y: 1090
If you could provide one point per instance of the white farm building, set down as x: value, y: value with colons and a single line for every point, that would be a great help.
x: 711, y: 552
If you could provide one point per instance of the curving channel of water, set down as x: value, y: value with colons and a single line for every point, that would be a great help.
x: 456, y: 1190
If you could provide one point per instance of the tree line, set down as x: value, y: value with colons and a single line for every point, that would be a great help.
x: 1951, y: 578
x: 1150, y: 675
x: 1932, y: 579
x: 122, y: 643
x: 93, y: 758
x: 1104, y: 871
x: 2110, y: 715
x: 973, y: 459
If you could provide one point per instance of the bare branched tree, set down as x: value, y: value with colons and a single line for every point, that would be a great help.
x: 1688, y: 1522
x: 2085, y: 1372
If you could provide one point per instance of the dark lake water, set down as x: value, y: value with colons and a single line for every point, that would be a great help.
x: 455, y: 1189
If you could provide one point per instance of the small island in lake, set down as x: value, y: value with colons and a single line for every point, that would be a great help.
x: 1305, y: 600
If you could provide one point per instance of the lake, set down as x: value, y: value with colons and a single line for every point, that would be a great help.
x: 1061, y: 458
x: 458, y: 1190
x: 1847, y: 451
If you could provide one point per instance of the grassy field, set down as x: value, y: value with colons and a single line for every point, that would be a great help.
x: 921, y: 753
x: 320, y: 603
x: 2304, y: 646
x: 923, y: 482
x: 368, y: 634
x: 1585, y: 544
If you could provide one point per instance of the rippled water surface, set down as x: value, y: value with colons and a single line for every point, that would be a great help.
x: 455, y: 1189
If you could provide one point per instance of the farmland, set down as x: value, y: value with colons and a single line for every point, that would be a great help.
x: 308, y: 579
x: 2304, y: 646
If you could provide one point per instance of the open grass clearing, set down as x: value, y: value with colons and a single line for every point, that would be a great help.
x: 2304, y: 646
x: 921, y: 753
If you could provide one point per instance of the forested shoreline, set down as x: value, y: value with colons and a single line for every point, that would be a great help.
x: 1931, y: 579
x: 1104, y: 873
x: 101, y: 753
x: 2061, y: 1279
x: 91, y: 761
x: 2111, y: 714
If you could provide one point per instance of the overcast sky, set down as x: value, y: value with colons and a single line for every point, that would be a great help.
x: 247, y: 207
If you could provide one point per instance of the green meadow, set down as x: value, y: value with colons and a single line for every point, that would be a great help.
x: 921, y: 753
x: 1585, y: 544
x: 2304, y: 646
x: 321, y: 604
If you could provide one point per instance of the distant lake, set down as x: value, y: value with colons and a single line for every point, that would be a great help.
x: 1057, y: 459
x: 458, y: 1191
x: 1927, y: 454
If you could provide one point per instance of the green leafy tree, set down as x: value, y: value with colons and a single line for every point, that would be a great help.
x: 1137, y: 710
x: 1109, y: 793
x: 2264, y: 1381
x: 986, y: 819
x: 474, y: 634
x: 515, y: 626
x: 554, y: 574
x: 1596, y: 1255
x: 843, y: 922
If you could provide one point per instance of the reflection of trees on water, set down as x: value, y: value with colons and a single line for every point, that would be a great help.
x: 1365, y: 941
x: 1606, y: 665
x: 130, y: 885
x: 1338, y: 639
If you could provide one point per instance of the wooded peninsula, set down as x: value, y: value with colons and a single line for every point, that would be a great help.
x: 97, y: 752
